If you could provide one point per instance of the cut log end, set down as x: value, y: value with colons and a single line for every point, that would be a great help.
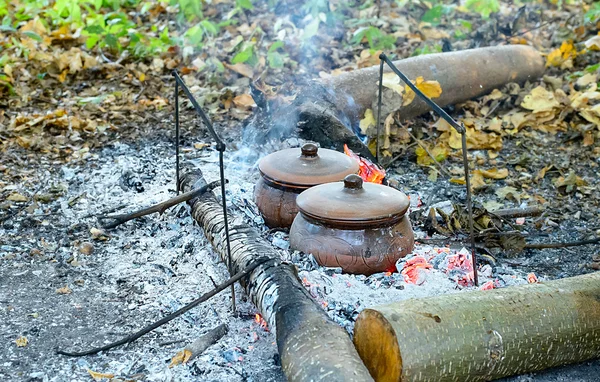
x: 376, y: 343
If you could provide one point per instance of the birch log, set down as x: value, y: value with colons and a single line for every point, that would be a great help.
x: 311, y: 346
x: 482, y: 335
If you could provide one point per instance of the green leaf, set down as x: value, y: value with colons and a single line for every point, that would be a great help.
x: 593, y: 14
x: 434, y: 15
x: 276, y: 45
x: 311, y: 29
x: 244, y: 55
x: 33, y: 35
x: 244, y: 4
x: 112, y: 41
x: 94, y: 29
x: 92, y: 41
x: 209, y: 27
x: 275, y: 60
x: 483, y: 7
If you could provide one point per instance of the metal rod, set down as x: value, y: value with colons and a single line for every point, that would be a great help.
x: 224, y: 203
x: 381, y: 62
x: 221, y: 149
x: 463, y: 132
x: 203, y: 116
x: 177, y: 136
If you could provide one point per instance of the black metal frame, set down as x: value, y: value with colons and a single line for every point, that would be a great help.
x: 458, y: 127
x: 221, y: 147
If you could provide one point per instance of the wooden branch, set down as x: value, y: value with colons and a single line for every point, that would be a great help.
x: 198, y: 347
x: 511, y: 213
x: 237, y: 277
x: 160, y: 207
x: 482, y: 335
x: 312, y: 347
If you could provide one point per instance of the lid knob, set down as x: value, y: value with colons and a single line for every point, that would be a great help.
x: 309, y: 150
x: 353, y: 182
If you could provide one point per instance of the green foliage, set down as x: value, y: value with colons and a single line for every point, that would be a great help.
x: 377, y: 39
x: 245, y: 54
x: 427, y: 49
x: 593, y: 14
x: 244, y: 4
x: 190, y: 9
x: 483, y: 7
x: 274, y: 58
x: 434, y: 15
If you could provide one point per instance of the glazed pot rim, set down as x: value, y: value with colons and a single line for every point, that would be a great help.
x: 284, y: 186
x: 354, y: 224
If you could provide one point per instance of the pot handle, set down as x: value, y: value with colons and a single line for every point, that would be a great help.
x: 353, y: 182
x: 309, y: 150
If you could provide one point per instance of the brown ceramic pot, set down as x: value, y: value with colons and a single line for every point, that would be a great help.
x: 362, y: 228
x: 286, y: 173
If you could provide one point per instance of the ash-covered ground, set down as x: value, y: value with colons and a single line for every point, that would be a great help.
x: 64, y: 284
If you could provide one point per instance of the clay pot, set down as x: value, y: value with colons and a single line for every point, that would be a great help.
x: 362, y: 228
x: 286, y: 173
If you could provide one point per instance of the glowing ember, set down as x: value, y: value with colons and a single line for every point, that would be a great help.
x: 412, y: 269
x: 261, y: 321
x: 487, y: 286
x: 532, y: 278
x: 462, y: 264
x: 367, y: 170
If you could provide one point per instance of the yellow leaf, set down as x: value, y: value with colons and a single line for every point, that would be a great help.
x: 64, y: 290
x: 540, y: 100
x: 100, y: 376
x: 16, y: 197
x: 142, y: 77
x: 431, y: 89
x: 494, y: 173
x: 477, y: 180
x: 244, y: 101
x: 22, y: 341
x: 63, y: 76
x: 439, y: 152
x: 392, y: 81
x: 554, y: 58
x: 181, y: 357
x: 367, y: 122
x: 476, y: 140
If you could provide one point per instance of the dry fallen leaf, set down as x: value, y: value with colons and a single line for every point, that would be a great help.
x: 508, y: 191
x: 494, y: 173
x: 540, y: 100
x: 64, y: 290
x: 16, y: 197
x: 559, y: 56
x: 593, y: 43
x: 22, y: 341
x: 100, y: 376
x: 431, y: 89
x: 241, y: 68
x: 392, y: 81
x: 181, y: 357
x: 244, y: 101
x: 367, y: 122
x: 476, y: 139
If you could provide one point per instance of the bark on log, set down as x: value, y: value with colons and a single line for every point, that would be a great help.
x: 311, y: 346
x: 463, y: 75
x: 482, y: 335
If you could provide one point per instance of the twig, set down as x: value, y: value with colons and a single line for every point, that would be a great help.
x: 210, y: 338
x: 562, y: 245
x: 105, y: 212
x: 510, y: 213
x: 438, y: 164
x: 171, y: 316
x: 160, y: 207
x: 167, y: 343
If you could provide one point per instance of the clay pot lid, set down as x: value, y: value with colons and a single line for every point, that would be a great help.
x: 353, y: 202
x: 306, y: 167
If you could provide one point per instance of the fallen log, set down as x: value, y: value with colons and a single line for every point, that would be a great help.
x: 463, y: 75
x: 311, y: 346
x: 328, y: 111
x: 482, y: 335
